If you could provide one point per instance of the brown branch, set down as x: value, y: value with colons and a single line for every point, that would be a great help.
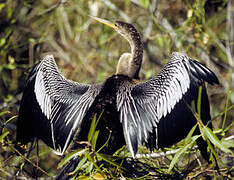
x: 39, y: 168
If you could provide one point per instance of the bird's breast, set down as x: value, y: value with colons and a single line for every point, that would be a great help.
x: 105, y: 109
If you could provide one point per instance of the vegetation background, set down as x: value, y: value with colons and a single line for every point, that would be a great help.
x: 88, y: 52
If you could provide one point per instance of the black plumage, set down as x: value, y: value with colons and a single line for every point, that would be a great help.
x: 155, y: 113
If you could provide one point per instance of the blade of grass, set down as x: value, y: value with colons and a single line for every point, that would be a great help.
x: 92, y: 128
x: 105, y: 143
x: 176, y: 158
x: 94, y: 139
x: 214, y: 139
x: 220, y: 114
x: 96, y: 166
x: 199, y: 102
x: 226, y: 107
x: 70, y: 156
x: 3, y: 135
x: 81, y: 163
x: 227, y: 143
x: 190, y: 134
x: 10, y: 119
x: 228, y: 127
x: 4, y: 112
x: 109, y: 161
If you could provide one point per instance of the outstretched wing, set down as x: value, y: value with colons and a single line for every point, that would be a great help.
x: 52, y: 107
x: 144, y: 105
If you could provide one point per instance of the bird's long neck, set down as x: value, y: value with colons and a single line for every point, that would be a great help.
x: 136, y: 54
x: 130, y: 63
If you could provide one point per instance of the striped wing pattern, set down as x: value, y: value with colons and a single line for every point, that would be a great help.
x: 143, y: 105
x: 63, y: 103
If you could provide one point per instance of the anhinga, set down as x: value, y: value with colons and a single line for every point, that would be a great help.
x: 155, y: 113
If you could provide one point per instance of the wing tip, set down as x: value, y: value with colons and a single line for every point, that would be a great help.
x: 204, y: 72
x: 201, y: 70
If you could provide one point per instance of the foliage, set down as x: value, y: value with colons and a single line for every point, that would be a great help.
x: 88, y: 52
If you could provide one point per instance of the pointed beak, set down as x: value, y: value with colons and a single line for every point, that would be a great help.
x: 103, y: 21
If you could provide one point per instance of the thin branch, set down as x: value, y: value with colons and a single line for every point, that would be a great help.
x: 156, y: 155
x: 52, y: 7
x: 163, y: 154
x: 39, y: 168
x: 6, y: 173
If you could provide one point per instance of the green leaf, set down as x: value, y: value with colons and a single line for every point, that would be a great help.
x: 70, y: 156
x: 105, y: 143
x: 2, y: 41
x: 188, y: 138
x: 227, y: 143
x: 4, y: 112
x: 3, y: 135
x: 229, y: 127
x: 10, y: 119
x: 92, y: 161
x: 226, y: 107
x: 199, y: 103
x: 213, y: 138
x: 180, y: 152
x: 89, y: 168
x: 105, y: 158
x: 94, y: 139
x: 92, y: 128
x: 81, y: 163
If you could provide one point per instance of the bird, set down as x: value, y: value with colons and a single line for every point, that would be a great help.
x: 156, y: 113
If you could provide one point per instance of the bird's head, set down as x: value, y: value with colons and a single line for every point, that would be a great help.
x: 129, y: 63
x: 128, y: 31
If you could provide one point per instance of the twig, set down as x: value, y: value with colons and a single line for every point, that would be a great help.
x: 198, y: 161
x: 155, y: 155
x: 6, y: 173
x: 162, y: 154
x: 52, y: 7
x: 43, y: 171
